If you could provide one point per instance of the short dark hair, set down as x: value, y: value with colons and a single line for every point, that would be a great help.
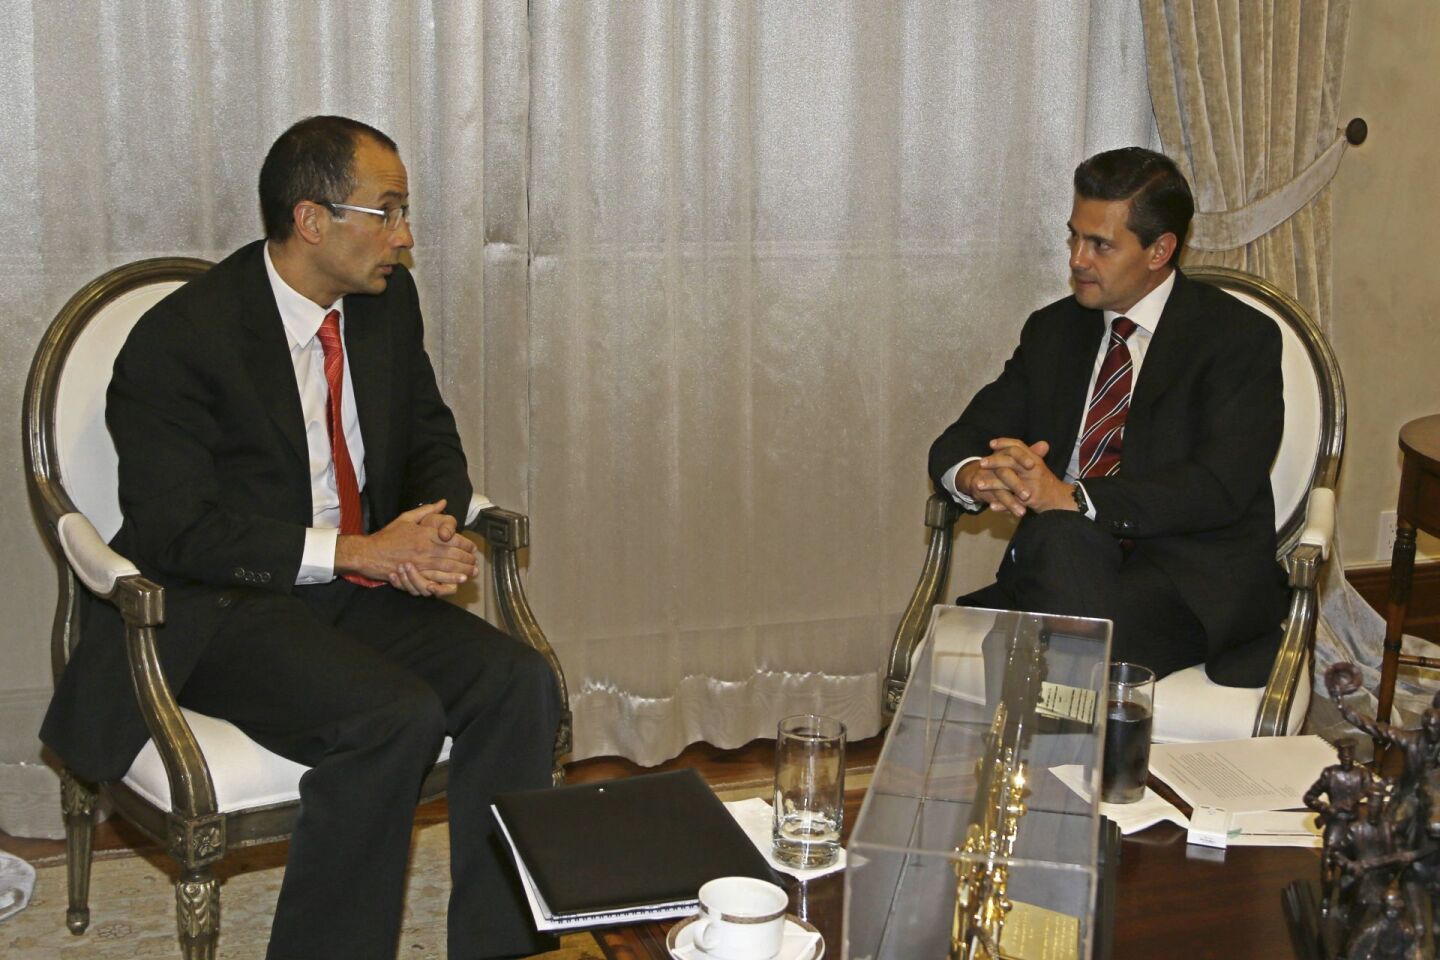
x: 1160, y: 200
x: 313, y: 160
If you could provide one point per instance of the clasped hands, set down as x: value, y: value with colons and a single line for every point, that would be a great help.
x: 421, y: 552
x: 1014, y: 477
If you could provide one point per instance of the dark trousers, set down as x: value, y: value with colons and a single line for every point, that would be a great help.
x: 363, y: 686
x: 1060, y: 562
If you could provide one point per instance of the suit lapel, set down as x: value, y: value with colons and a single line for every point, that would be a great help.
x: 366, y: 347
x: 1179, y: 339
x: 1170, y: 348
x: 1080, y: 342
x: 268, y: 359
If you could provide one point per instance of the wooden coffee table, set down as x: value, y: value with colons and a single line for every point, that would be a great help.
x: 1171, y: 900
x: 1183, y: 901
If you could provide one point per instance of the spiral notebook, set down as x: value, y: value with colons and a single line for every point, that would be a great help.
x: 623, y: 851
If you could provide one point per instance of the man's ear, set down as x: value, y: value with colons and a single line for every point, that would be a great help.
x: 1162, y: 251
x: 306, y: 217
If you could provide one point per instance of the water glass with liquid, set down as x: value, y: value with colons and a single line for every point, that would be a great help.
x: 1129, y: 720
x: 809, y: 790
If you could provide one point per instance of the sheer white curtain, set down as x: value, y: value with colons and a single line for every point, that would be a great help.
x: 772, y: 249
x: 702, y: 281
x: 135, y: 128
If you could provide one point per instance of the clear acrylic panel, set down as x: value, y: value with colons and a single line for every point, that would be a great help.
x: 967, y: 845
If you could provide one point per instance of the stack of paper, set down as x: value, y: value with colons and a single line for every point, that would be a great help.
x: 1260, y: 781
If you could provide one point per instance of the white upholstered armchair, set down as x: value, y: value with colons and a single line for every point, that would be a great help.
x: 200, y: 787
x: 1188, y: 705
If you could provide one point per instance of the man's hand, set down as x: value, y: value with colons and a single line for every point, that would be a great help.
x: 445, y: 526
x: 420, y: 552
x: 1015, y: 478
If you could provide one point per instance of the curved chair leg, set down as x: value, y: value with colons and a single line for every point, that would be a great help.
x: 197, y: 913
x: 77, y: 803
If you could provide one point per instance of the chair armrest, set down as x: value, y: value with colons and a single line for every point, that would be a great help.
x: 507, y: 532
x: 1320, y: 521
x: 192, y: 789
x: 501, y: 528
x: 142, y: 608
x: 1294, y: 659
x: 97, y: 566
x: 940, y: 516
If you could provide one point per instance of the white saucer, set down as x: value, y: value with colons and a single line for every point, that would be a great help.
x: 681, y: 937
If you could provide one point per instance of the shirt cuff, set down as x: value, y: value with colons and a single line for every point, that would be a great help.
x: 1089, y: 504
x: 317, y: 562
x: 948, y: 482
x: 478, y: 502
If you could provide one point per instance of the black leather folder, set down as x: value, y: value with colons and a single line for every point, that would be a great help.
x: 626, y: 844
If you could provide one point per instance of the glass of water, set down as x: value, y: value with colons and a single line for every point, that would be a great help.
x: 809, y: 790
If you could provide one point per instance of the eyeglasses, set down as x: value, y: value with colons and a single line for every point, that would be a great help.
x: 393, y: 216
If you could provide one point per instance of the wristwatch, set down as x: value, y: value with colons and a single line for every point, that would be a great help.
x: 1082, y: 503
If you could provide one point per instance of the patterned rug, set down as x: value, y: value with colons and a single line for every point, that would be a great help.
x: 132, y: 909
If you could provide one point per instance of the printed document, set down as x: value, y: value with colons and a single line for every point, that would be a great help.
x: 1263, y: 773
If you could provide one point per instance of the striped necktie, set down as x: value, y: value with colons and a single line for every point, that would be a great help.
x: 1104, y: 433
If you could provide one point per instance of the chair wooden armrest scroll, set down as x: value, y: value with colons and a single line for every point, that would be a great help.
x: 507, y: 532
x: 940, y: 516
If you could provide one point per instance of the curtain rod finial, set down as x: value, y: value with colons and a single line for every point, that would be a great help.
x: 1356, y: 131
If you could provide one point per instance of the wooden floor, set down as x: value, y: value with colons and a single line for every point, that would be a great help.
x: 748, y: 764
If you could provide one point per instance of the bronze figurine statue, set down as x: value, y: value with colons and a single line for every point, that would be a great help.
x: 1373, y: 856
x: 1344, y: 784
x: 1389, y: 935
x: 1380, y: 863
x: 1420, y: 748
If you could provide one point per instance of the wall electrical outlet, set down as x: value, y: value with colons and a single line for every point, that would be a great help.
x: 1385, y: 541
x: 1385, y: 536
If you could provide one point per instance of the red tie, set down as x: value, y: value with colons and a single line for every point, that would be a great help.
x: 345, y: 483
x: 1105, y: 417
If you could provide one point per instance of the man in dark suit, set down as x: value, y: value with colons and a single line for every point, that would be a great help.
x: 290, y: 474
x: 1132, y: 433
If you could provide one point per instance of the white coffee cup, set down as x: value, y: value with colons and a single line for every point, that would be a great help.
x: 741, y: 918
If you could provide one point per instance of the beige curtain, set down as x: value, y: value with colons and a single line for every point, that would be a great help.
x: 764, y: 252
x: 1246, y: 98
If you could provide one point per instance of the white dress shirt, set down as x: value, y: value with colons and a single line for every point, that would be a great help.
x: 302, y: 318
x: 1146, y: 316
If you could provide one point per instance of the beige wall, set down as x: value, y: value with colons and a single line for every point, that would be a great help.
x: 1386, y: 327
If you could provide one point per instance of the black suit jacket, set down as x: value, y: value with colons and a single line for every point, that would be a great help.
x: 1193, y: 493
x: 214, y: 474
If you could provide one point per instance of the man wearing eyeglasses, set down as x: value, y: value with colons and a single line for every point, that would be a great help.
x: 290, y: 473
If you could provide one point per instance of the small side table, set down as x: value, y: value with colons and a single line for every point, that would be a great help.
x: 1418, y: 508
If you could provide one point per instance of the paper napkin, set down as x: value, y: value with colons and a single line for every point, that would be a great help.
x: 1129, y: 817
